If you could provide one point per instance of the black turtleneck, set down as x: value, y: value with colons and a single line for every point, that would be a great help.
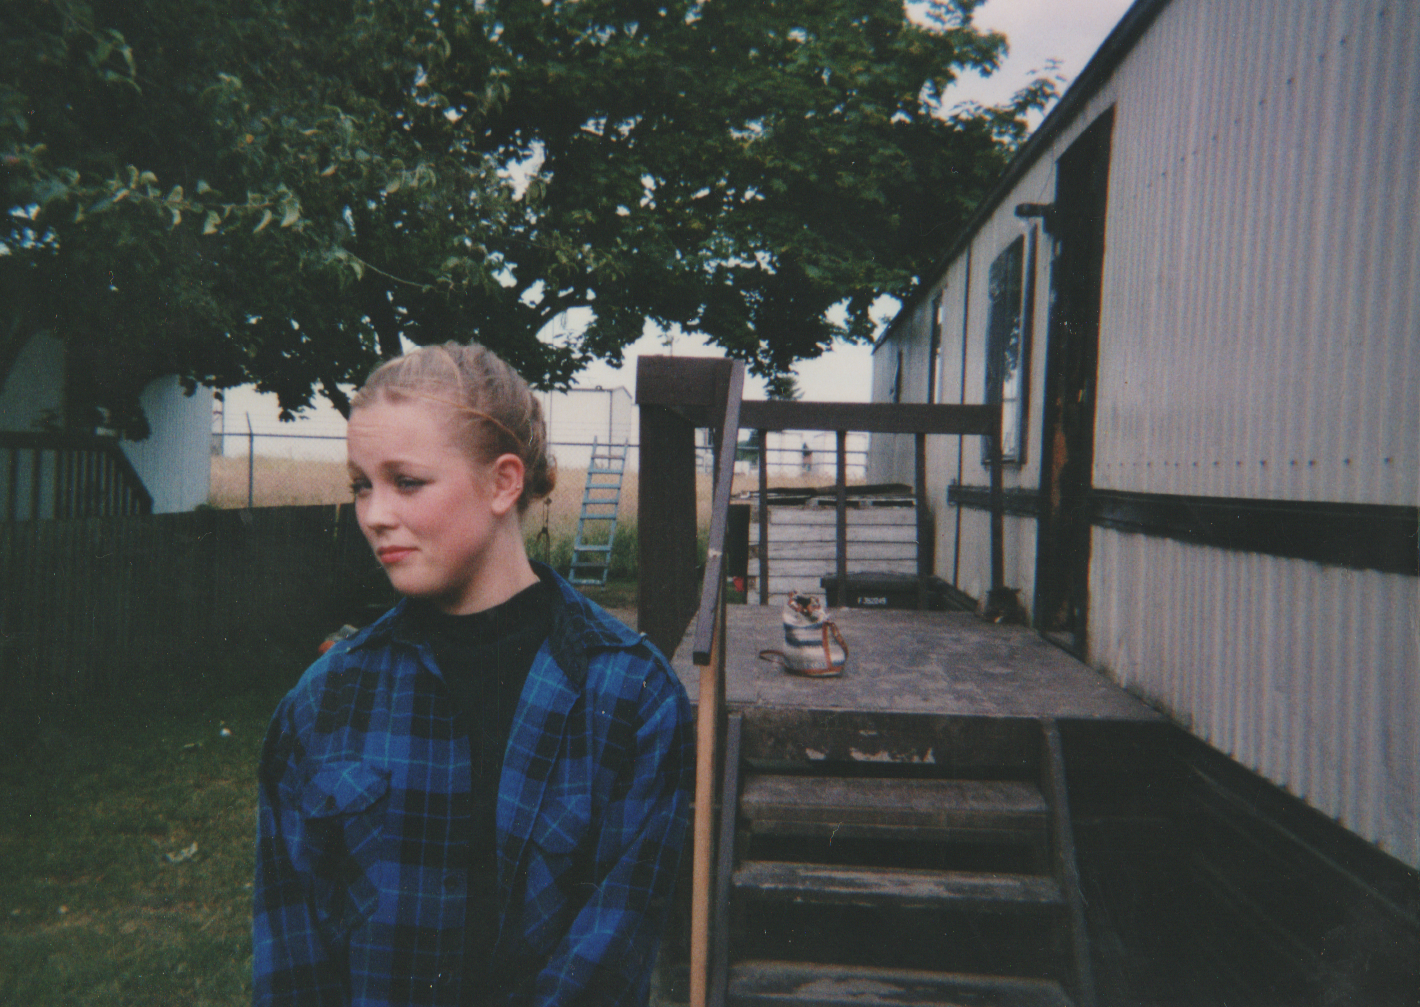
x: 485, y: 658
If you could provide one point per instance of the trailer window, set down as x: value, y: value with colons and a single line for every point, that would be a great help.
x: 1004, y: 350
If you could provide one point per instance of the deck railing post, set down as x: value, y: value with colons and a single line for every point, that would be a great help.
x: 842, y: 598
x: 667, y: 585
x: 763, y: 517
x: 36, y: 474
x: 251, y: 460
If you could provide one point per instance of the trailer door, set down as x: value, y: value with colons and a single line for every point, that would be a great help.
x: 1063, y: 546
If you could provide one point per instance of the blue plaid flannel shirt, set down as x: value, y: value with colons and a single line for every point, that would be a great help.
x: 361, y: 883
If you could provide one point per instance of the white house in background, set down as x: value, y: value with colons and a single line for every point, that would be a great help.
x: 244, y: 419
x: 34, y: 390
x: 175, y: 459
x: 173, y: 463
x: 578, y: 416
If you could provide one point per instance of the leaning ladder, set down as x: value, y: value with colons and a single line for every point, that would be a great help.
x: 596, y: 528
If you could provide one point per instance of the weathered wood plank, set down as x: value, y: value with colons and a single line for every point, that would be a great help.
x: 868, y: 417
x: 811, y: 804
x: 856, y: 551
x: 779, y: 984
x: 895, y: 887
x: 807, y: 572
x: 856, y: 533
x: 692, y: 387
x: 811, y: 582
x: 956, y: 745
x: 856, y: 516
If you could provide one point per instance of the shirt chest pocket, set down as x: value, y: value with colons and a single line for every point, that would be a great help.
x: 559, y: 867
x: 343, y: 805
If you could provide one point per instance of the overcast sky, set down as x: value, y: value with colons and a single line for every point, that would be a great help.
x: 1068, y: 31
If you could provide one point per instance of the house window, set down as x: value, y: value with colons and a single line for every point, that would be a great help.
x: 897, y: 379
x: 1006, y: 352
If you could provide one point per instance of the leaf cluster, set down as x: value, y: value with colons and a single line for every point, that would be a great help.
x: 283, y: 191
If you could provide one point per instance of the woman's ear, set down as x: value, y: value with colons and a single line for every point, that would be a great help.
x: 507, y: 472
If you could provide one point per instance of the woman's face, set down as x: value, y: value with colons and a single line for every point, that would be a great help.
x: 429, y: 511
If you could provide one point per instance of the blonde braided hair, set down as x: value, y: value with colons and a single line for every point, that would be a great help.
x: 494, y: 409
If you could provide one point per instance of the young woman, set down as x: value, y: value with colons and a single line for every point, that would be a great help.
x: 482, y: 797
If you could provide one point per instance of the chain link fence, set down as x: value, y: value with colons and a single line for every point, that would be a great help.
x: 282, y: 468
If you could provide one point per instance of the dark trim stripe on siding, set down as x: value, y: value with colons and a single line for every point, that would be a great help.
x: 1363, y: 536
x: 1019, y: 502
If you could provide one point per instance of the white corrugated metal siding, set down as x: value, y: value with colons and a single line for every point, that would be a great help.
x: 890, y: 456
x: 1262, y: 278
x: 1304, y: 673
x: 1259, y: 338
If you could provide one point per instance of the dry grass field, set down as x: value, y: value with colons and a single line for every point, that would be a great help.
x: 278, y: 482
x: 285, y: 482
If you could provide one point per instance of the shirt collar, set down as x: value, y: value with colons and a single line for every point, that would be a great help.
x: 579, y: 627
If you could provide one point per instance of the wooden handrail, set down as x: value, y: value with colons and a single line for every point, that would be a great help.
x: 870, y: 417
x: 709, y: 657
x: 714, y: 583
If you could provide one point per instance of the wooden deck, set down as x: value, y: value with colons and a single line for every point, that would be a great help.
x: 940, y: 663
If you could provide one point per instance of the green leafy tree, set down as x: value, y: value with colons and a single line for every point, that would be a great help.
x: 282, y: 190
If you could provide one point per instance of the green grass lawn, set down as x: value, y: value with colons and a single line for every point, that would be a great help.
x: 96, y: 804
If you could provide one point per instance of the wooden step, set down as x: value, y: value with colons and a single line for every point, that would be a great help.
x: 776, y: 738
x: 886, y: 808
x: 780, y: 984
x: 895, y: 887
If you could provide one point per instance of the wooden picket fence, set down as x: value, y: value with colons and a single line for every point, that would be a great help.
x: 87, y: 601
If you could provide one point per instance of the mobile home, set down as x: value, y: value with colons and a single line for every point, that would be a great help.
x: 1196, y: 295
